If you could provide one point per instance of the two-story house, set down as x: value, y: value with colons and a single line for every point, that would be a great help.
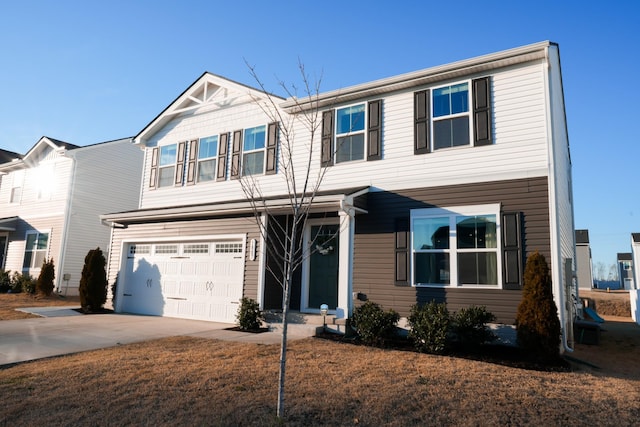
x: 438, y: 184
x: 51, y: 199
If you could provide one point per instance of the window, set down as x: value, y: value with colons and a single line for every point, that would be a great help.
x: 207, y: 153
x: 455, y: 247
x: 253, y: 151
x: 451, y: 116
x: 455, y: 115
x: 16, y: 194
x: 350, y: 124
x: 16, y: 186
x: 35, y: 250
x: 167, y: 165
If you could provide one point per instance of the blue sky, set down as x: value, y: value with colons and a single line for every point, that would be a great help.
x: 86, y: 72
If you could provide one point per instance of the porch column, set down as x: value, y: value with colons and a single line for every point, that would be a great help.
x: 345, y: 264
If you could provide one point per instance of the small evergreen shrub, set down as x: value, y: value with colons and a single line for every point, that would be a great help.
x: 249, y: 316
x: 373, y: 325
x: 429, y: 327
x: 537, y: 322
x: 469, y: 327
x: 5, y: 281
x: 45, y: 284
x: 93, y: 281
x: 23, y: 283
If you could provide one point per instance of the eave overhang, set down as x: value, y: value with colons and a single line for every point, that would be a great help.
x: 424, y: 77
x: 8, y: 224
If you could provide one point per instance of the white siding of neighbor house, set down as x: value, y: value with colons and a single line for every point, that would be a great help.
x: 520, y: 148
x: 106, y: 179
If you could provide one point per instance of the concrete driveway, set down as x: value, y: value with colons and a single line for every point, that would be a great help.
x: 63, y: 331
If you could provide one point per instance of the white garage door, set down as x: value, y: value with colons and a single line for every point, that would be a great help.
x: 192, y: 280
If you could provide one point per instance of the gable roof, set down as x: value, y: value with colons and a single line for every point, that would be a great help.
x: 43, y: 143
x: 209, y: 88
x: 582, y: 236
x: 7, y: 156
x: 635, y: 237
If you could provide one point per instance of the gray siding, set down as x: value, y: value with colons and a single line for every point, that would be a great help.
x: 374, y: 266
x: 245, y: 225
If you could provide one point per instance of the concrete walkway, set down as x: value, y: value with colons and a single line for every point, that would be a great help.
x: 62, y: 330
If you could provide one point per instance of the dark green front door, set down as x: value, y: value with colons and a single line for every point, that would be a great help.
x: 323, y: 267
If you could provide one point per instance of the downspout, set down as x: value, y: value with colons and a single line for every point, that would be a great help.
x: 67, y: 220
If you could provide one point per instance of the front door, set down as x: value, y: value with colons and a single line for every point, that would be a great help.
x: 323, y: 266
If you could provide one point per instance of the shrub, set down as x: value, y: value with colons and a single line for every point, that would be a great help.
x: 429, y: 325
x: 44, y: 284
x: 23, y: 283
x: 537, y: 323
x: 249, y: 316
x: 93, y: 281
x: 374, y: 325
x: 5, y: 281
x: 469, y: 327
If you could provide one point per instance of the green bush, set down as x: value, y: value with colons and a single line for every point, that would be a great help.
x: 45, y: 284
x: 93, y: 281
x: 23, y: 283
x: 469, y: 327
x: 429, y: 325
x: 249, y: 316
x: 5, y: 281
x: 537, y: 322
x: 374, y: 325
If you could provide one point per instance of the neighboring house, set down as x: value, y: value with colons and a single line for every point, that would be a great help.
x: 440, y: 182
x: 625, y: 270
x: 584, y: 265
x: 50, y: 201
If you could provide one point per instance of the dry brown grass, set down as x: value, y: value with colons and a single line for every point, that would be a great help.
x: 192, y: 381
x: 9, y: 303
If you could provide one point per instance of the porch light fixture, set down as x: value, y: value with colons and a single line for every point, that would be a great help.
x: 252, y: 249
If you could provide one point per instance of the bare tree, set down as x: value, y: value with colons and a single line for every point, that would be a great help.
x: 284, y: 239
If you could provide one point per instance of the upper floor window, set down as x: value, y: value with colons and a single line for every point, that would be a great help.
x: 167, y: 165
x: 16, y: 186
x: 455, y: 247
x: 451, y: 116
x: 207, y: 155
x: 454, y: 115
x: 253, y: 149
x: 35, y: 250
x: 350, y: 124
x: 352, y: 133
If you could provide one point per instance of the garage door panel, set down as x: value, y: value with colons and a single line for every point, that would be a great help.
x: 200, y: 285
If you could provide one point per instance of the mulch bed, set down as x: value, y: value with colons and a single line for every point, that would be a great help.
x: 251, y: 331
x: 99, y: 311
x: 504, y: 355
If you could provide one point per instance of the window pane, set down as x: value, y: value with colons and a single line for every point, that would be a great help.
x: 480, y: 268
x: 460, y: 98
x: 27, y: 260
x: 350, y: 148
x: 431, y: 268
x: 254, y: 138
x: 43, y: 238
x: 441, y: 106
x: 167, y: 155
x: 166, y: 177
x: 38, y: 259
x: 459, y: 131
x: 476, y: 232
x: 31, y: 241
x: 350, y: 119
x: 208, y: 147
x: 431, y: 233
x: 253, y: 163
x: 451, y: 132
x: 206, y: 170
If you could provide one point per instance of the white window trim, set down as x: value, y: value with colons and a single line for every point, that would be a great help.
x: 452, y: 212
x: 257, y: 150
x: 350, y: 133
x: 468, y: 113
x: 174, y: 165
x: 46, y: 250
x: 206, y: 159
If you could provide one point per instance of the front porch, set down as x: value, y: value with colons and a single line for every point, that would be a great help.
x: 304, y: 321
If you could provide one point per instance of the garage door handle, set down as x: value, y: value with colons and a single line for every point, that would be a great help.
x: 181, y: 299
x: 235, y: 302
x: 126, y: 295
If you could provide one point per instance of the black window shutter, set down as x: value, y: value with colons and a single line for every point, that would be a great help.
x: 191, y: 168
x: 153, y: 173
x: 512, y: 250
x: 236, y: 150
x: 402, y: 252
x: 482, y: 111
x: 182, y: 146
x: 326, y: 148
x: 421, y: 132
x: 272, y: 143
x: 223, y: 146
x: 374, y: 130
